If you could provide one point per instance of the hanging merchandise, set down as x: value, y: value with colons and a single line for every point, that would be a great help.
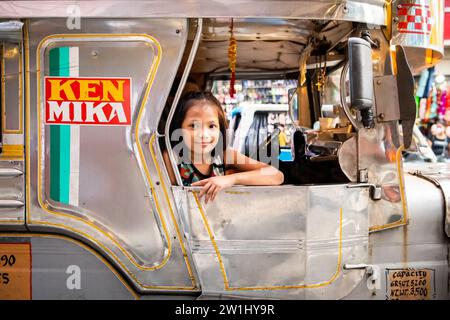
x: 441, y: 98
x: 447, y: 107
x: 420, y: 92
x: 433, y: 95
x: 429, y: 82
x: 422, y: 108
x: 232, y: 55
x: 427, y: 109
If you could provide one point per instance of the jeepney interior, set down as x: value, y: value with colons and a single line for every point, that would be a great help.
x: 274, y: 52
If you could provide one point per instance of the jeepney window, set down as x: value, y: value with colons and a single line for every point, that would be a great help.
x: 11, y: 121
x: 257, y: 113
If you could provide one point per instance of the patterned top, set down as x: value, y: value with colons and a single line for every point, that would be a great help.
x: 190, y: 174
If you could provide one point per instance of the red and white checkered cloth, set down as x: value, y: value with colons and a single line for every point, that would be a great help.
x: 415, y: 19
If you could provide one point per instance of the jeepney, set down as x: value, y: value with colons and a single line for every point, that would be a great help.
x: 87, y: 210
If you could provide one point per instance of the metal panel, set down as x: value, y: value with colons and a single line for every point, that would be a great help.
x: 277, y: 242
x: 371, y: 11
x: 66, y: 269
x: 386, y: 97
x: 121, y: 211
x: 439, y: 175
x: 380, y: 154
x: 12, y: 198
x: 421, y: 243
x: 12, y: 193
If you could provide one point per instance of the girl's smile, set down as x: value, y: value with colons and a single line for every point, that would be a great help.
x: 201, y: 129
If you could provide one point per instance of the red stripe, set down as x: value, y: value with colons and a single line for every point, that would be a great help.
x: 414, y: 32
x: 414, y: 5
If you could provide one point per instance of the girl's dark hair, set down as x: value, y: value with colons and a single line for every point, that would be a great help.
x: 187, y: 101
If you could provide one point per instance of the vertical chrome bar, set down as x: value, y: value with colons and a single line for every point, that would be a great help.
x: 184, y: 77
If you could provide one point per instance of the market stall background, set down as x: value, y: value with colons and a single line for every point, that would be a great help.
x: 433, y: 98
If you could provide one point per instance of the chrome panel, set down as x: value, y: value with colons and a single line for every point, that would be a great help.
x: 12, y: 193
x: 421, y: 243
x: 123, y: 209
x: 11, y: 204
x: 386, y: 98
x: 439, y: 175
x: 348, y: 159
x: 379, y: 152
x: 369, y: 11
x: 277, y: 242
x: 10, y: 172
x: 11, y: 30
x: 184, y: 77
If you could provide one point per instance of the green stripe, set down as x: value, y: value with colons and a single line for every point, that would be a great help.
x: 59, y: 136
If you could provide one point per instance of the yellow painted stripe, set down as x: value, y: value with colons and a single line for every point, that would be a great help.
x: 183, y: 249
x: 12, y: 151
x: 26, y: 45
x: 284, y: 287
x: 12, y: 221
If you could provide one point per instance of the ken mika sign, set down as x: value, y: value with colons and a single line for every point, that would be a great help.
x: 88, y: 101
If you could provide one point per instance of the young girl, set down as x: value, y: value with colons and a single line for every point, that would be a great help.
x: 205, y: 159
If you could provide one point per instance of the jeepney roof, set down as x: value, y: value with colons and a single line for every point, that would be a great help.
x: 369, y: 11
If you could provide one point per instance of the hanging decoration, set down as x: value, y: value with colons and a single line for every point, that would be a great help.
x: 321, y: 73
x: 232, y: 53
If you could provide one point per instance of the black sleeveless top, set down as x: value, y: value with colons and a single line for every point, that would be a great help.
x: 190, y: 174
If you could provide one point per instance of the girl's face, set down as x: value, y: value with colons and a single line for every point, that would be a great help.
x: 201, y: 128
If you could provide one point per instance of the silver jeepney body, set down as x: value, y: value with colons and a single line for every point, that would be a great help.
x: 126, y: 227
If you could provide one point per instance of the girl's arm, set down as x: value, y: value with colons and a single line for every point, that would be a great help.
x: 250, y: 172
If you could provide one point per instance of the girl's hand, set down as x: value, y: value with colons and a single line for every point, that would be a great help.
x: 213, y: 185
